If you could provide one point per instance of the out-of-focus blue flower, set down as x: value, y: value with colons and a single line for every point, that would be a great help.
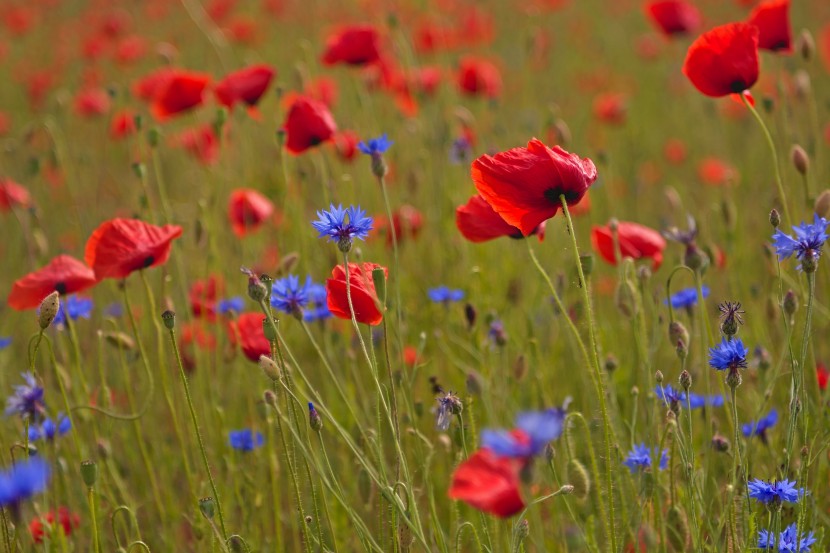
x: 318, y: 307
x: 698, y: 401
x: 729, y: 354
x: 787, y: 541
x: 230, y: 305
x: 695, y: 401
x: 245, y: 440
x: 48, y: 429
x: 5, y: 341
x: 375, y: 146
x: 534, y: 430
x: 496, y: 333
x: 334, y: 224
x: 686, y: 297
x: 460, y: 150
x: 640, y: 457
x: 444, y: 294
x: 779, y: 492
x: 27, y: 399
x: 114, y: 309
x: 23, y: 480
x: 760, y: 428
x: 74, y: 307
x: 809, y: 238
x: 669, y: 394
x: 288, y: 295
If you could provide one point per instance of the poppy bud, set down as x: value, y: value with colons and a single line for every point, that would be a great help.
x: 685, y: 380
x: 802, y: 85
x: 822, y: 206
x: 681, y: 349
x: 579, y: 479
x: 470, y: 314
x: 678, y: 333
x: 89, y: 473
x: 269, y: 367
x: 587, y: 262
x: 269, y: 330
x: 774, y: 218
x: 800, y: 159
x: 658, y: 376
x: 677, y: 526
x: 315, y: 421
x: 474, y: 383
x: 236, y: 544
x: 169, y: 318
x: 208, y: 507
x: 379, y: 280
x: 611, y: 363
x: 790, y: 303
x: 257, y: 290
x: 120, y: 340
x: 153, y: 136
x: 49, y: 308
x: 805, y: 45
x: 643, y: 274
x: 138, y: 121
x: 270, y: 398
x: 139, y: 169
x: 288, y: 263
x: 625, y: 298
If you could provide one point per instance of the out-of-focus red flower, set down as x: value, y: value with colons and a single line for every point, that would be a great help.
x: 823, y: 44
x: 474, y: 27
x: 675, y: 151
x: 5, y: 124
x: 425, y: 80
x: 307, y: 124
x: 181, y: 91
x: 772, y: 17
x: 610, y: 108
x: 345, y: 143
x: 203, y: 295
x: 410, y: 356
x: 38, y: 84
x: 479, y: 77
x: 364, y: 296
x: 716, y: 172
x: 148, y: 87
x: 430, y: 38
x: 193, y: 334
x: 822, y: 375
x: 355, y: 45
x: 120, y: 246
x: 13, y: 195
x: 92, y: 102
x: 407, y: 222
x: 115, y: 23
x: 64, y: 274
x: 201, y: 142
x: 246, y: 332
x: 523, y: 185
x: 488, y: 483
x: 323, y: 89
x: 636, y: 241
x: 242, y: 30
x: 122, y: 124
x: 248, y: 210
x: 130, y: 49
x: 219, y: 10
x: 18, y: 20
x: 94, y: 47
x: 647, y: 47
x: 66, y: 521
x: 673, y: 17
x: 245, y: 86
x: 724, y: 60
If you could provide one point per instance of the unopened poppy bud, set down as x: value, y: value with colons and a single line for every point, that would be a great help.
x: 89, y: 473
x: 270, y: 398
x: 470, y: 314
x: 288, y: 262
x: 269, y: 367
x: 208, y: 507
x: 550, y: 452
x: 613, y: 224
x: 379, y: 280
x: 822, y: 205
x: 269, y: 329
x: 658, y: 376
x: 678, y: 333
x: 49, y: 308
x: 643, y: 274
x: 153, y: 136
x: 120, y: 340
x: 169, y: 318
x: 720, y: 443
x: 802, y: 85
x: 611, y: 363
x: 685, y: 380
x: 681, y: 349
x: 790, y: 303
x: 774, y: 218
x: 635, y: 391
x: 800, y: 159
x: 587, y: 262
x: 579, y: 479
x: 315, y: 421
x: 695, y: 258
x: 625, y: 298
x: 567, y: 489
x: 236, y: 544
x: 104, y: 449
x: 805, y: 45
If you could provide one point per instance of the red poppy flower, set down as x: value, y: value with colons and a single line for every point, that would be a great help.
x: 425, y: 80
x: 242, y: 29
x: 407, y: 221
x: 191, y: 335
x: 675, y: 151
x: 772, y: 18
x: 201, y: 142
x: 66, y: 520
x: 203, y: 295
x: 823, y: 43
x: 122, y: 124
x: 323, y: 89
x: 716, y: 172
x: 63, y: 274
x: 247, y: 210
x: 308, y: 123
x: 822, y: 375
x: 479, y: 77
x: 18, y: 20
x: 410, y: 356
x: 355, y: 45
x: 246, y: 85
x: 120, y: 246
x: 149, y: 86
x: 130, y: 49
x: 610, y: 108
x: 179, y: 92
x: 92, y: 102
x: 246, y: 332
x: 673, y: 17
x: 479, y: 223
x: 219, y: 10
x: 5, y: 124
x: 430, y: 38
x: 523, y: 185
x: 364, y: 296
x: 488, y: 483
x: 724, y: 60
x: 13, y: 195
x: 636, y: 241
x: 345, y: 143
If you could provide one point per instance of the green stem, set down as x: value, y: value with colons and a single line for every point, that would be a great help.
x: 96, y: 540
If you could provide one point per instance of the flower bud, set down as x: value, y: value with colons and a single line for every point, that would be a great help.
x: 315, y: 421
x: 153, y: 136
x: 120, y: 340
x: 89, y: 472
x: 822, y: 205
x: 733, y: 378
x: 658, y: 376
x: 790, y: 303
x: 474, y: 383
x: 470, y: 315
x: 579, y: 479
x: 522, y: 530
x: 685, y: 380
x: 800, y: 159
x: 695, y: 258
x: 566, y: 489
x: 720, y: 443
x: 805, y: 45
x: 625, y: 298
x: 257, y: 290
x: 236, y: 544
x: 774, y: 218
x: 269, y: 367
x: 611, y: 363
x: 208, y: 507
x: 379, y: 167
x: 169, y: 319
x: 270, y: 398
x: 520, y: 367
x: 269, y: 329
x: 49, y: 308
x: 678, y: 333
x: 379, y: 280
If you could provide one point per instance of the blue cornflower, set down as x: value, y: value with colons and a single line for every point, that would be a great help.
x: 729, y: 354
x: 788, y: 541
x: 760, y: 428
x: 640, y: 456
x: 686, y: 297
x: 496, y: 333
x: 245, y: 440
x: 669, y: 394
x: 48, y: 429
x: 27, y: 400
x: 775, y: 492
x: 333, y: 224
x: 289, y: 296
x: 460, y: 151
x: 75, y: 307
x: 5, y: 341
x: 114, y: 309
x: 449, y: 404
x: 806, y: 246
x: 534, y: 430
x: 318, y: 308
x: 375, y: 146
x: 230, y: 305
x: 23, y: 480
x: 444, y: 294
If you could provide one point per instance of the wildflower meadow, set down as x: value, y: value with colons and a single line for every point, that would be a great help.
x: 402, y: 276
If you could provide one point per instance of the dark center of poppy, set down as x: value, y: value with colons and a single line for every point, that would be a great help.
x: 737, y: 86
x: 147, y: 261
x: 60, y: 288
x: 552, y: 195
x: 314, y: 140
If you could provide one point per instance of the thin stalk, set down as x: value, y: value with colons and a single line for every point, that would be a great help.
x: 96, y: 539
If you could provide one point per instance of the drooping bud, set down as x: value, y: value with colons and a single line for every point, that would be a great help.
x: 720, y: 443
x: 270, y: 398
x: 236, y: 544
x: 470, y: 315
x: 625, y: 298
x: 800, y: 159
x: 120, y: 340
x: 579, y: 479
x: 49, y: 308
x: 257, y: 290
x: 695, y: 258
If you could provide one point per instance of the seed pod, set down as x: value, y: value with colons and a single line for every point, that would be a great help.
x: 579, y: 479
x: 89, y: 473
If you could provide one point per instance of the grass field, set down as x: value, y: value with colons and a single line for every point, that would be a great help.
x: 565, y: 308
